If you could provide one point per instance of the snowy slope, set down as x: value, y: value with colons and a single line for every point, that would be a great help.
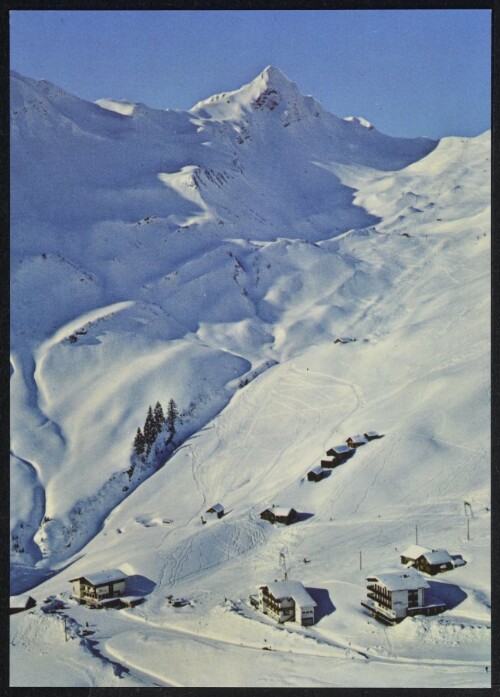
x: 191, y: 251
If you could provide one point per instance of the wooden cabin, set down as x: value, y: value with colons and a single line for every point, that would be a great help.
x: 316, y: 474
x: 372, y: 435
x: 435, y: 562
x: 279, y: 515
x: 394, y: 595
x: 97, y: 589
x: 356, y: 441
x: 412, y: 553
x: 20, y: 603
x: 330, y: 464
x: 216, y: 510
x: 430, y: 561
x: 340, y: 452
x: 287, y: 601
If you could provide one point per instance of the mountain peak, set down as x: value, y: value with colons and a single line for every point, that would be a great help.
x: 270, y: 90
x: 274, y: 76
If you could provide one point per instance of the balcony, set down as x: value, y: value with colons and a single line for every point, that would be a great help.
x: 384, y: 599
x: 386, y: 616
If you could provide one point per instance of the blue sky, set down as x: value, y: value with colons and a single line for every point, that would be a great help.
x: 410, y: 72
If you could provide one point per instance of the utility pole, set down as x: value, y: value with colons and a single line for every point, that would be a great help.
x: 468, y: 534
x: 467, y: 506
x: 65, y: 629
x: 416, y: 534
x: 360, y: 560
x: 283, y: 563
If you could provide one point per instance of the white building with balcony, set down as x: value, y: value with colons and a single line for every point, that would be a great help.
x: 287, y: 601
x: 394, y: 595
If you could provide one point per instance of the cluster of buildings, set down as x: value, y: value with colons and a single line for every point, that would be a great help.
x: 392, y: 595
x: 339, y: 454
x: 396, y: 594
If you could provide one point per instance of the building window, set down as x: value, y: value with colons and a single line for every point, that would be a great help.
x: 413, y: 598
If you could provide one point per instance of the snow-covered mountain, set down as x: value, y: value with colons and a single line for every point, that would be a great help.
x: 213, y: 257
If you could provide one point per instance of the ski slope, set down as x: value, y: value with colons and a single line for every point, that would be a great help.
x: 190, y: 253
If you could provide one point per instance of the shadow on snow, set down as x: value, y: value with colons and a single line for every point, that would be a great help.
x: 324, y: 605
x: 446, y: 593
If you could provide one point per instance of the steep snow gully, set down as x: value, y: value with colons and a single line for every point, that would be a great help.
x: 290, y: 278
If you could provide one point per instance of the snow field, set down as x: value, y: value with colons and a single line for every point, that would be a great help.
x: 191, y: 263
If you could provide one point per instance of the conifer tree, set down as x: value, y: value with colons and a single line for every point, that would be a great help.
x: 159, y: 417
x: 172, y: 415
x: 150, y: 431
x: 139, y: 442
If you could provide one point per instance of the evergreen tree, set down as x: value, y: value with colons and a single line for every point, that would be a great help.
x: 139, y: 442
x: 172, y: 415
x: 150, y: 430
x: 159, y: 417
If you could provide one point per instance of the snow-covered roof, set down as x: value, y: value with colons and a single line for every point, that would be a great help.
x: 371, y: 434
x: 291, y: 589
x: 438, y: 556
x: 317, y: 470
x: 105, y: 576
x: 217, y: 508
x: 19, y: 601
x: 414, y: 551
x: 407, y: 579
x: 358, y: 439
x: 282, y: 512
x: 341, y: 449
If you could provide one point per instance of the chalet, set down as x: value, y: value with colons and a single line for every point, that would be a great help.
x: 317, y: 474
x: 430, y: 561
x: 435, y: 562
x: 340, y: 452
x: 19, y: 603
x: 216, y: 510
x: 356, y: 441
x: 412, y: 553
x: 394, y: 595
x: 331, y: 464
x: 287, y: 601
x: 279, y: 515
x: 372, y: 435
x: 98, y: 589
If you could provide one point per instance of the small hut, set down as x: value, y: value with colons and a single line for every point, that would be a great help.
x: 279, y: 515
x: 316, y: 474
x: 372, y: 435
x: 340, y: 452
x: 356, y: 441
x: 19, y: 603
x: 216, y: 510
x: 330, y: 464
